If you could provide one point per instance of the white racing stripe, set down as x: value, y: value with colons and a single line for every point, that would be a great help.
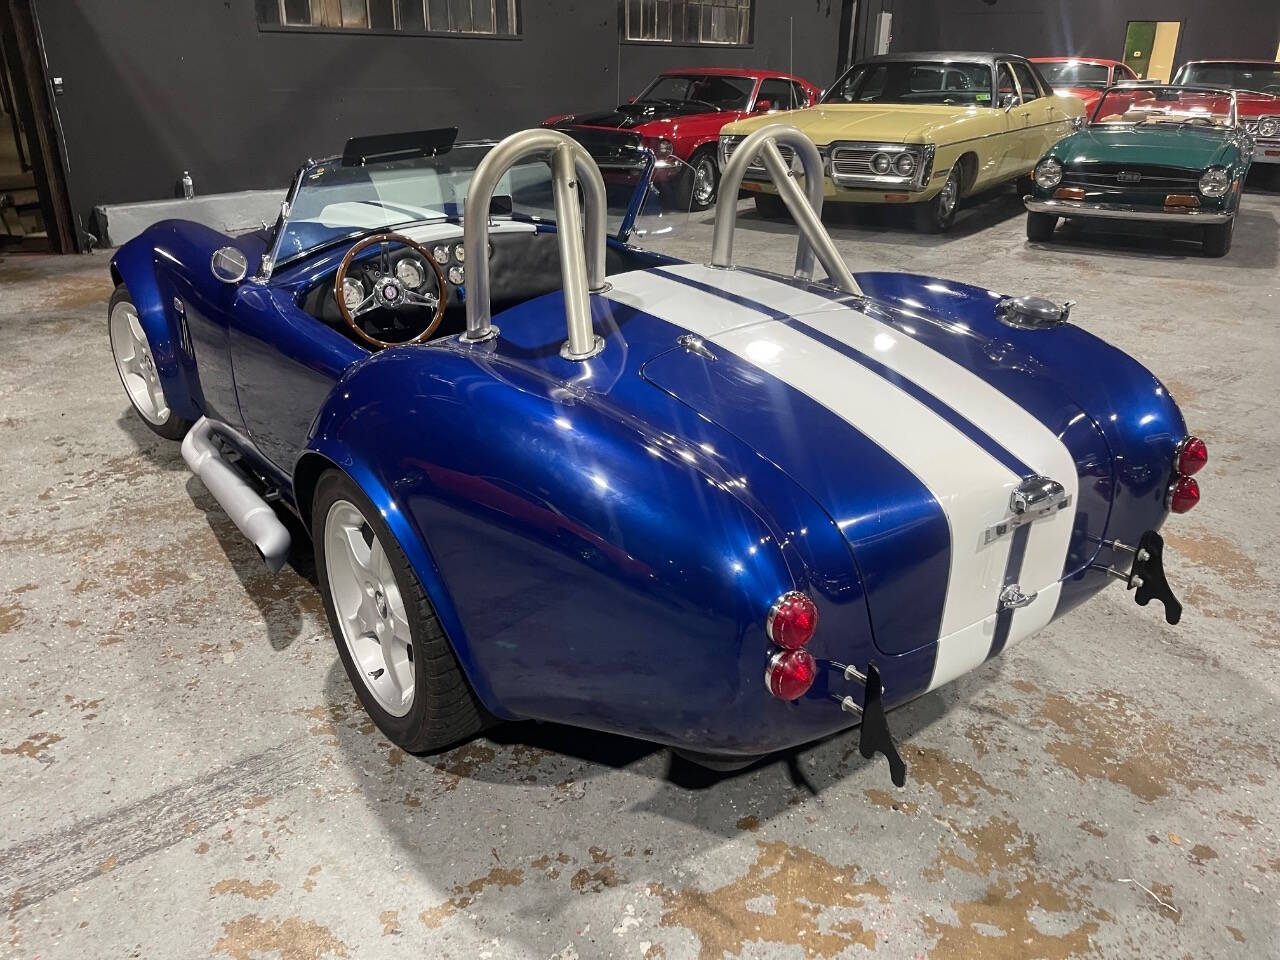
x: 969, y: 484
x: 999, y: 417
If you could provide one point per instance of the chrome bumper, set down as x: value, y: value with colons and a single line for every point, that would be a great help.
x: 1123, y: 211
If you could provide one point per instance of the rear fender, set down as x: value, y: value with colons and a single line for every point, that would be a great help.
x: 549, y: 533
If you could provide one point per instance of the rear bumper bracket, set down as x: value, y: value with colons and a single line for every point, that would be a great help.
x: 873, y: 736
x: 1146, y: 576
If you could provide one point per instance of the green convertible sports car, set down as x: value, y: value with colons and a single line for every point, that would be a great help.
x: 1163, y: 153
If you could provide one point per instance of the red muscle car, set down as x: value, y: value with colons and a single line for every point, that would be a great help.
x: 1082, y: 77
x: 1257, y: 86
x: 679, y: 115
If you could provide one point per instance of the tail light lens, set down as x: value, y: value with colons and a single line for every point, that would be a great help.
x: 790, y: 674
x: 1192, y: 455
x: 793, y: 618
x: 1184, y: 494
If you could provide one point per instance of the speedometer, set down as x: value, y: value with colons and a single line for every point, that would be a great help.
x: 409, y: 272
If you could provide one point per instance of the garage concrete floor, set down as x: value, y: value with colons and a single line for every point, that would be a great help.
x: 184, y: 771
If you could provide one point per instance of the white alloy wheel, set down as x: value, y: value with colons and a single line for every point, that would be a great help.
x: 370, y: 611
x: 136, y: 364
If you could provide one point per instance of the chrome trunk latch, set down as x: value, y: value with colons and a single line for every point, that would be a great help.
x: 1012, y: 597
x: 694, y: 344
x: 1032, y: 313
x: 1033, y: 499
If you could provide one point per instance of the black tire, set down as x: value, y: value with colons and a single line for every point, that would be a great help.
x: 771, y: 207
x: 1216, y: 240
x: 171, y: 428
x: 444, y: 708
x: 937, y: 215
x: 703, y: 163
x: 1040, y: 226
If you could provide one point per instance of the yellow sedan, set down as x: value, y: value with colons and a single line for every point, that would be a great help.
x: 923, y: 129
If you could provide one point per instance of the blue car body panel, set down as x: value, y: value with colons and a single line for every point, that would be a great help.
x: 602, y: 539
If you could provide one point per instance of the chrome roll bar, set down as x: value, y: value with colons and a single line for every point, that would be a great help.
x: 806, y: 211
x: 581, y: 261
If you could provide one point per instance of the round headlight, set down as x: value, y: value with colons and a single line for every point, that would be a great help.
x: 881, y: 163
x: 440, y: 254
x: 905, y: 164
x: 409, y: 272
x: 1269, y: 127
x: 352, y: 292
x: 456, y: 276
x: 459, y: 253
x: 1048, y: 173
x: 1215, y: 182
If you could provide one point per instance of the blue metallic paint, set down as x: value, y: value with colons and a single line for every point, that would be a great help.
x: 534, y: 497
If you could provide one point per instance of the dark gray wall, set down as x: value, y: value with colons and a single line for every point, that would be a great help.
x: 153, y: 89
x: 1043, y: 28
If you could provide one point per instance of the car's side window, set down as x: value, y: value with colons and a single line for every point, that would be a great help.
x: 1005, y: 82
x: 799, y: 97
x: 777, y: 92
x: 1027, y: 81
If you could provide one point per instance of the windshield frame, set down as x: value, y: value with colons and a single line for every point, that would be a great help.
x: 829, y: 99
x: 1233, y: 116
x: 271, y: 261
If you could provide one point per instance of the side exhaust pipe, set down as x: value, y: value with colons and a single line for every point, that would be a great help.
x: 250, y: 513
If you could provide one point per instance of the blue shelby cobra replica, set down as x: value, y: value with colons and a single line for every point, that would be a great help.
x: 551, y: 475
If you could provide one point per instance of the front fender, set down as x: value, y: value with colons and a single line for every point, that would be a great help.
x: 581, y: 572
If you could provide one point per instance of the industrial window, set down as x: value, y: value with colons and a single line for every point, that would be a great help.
x: 484, y: 17
x: 722, y: 22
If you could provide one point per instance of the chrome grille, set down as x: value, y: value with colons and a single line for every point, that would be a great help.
x: 851, y: 162
x: 756, y: 166
x: 1165, y: 179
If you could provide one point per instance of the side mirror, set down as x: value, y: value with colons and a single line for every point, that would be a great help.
x: 1077, y: 123
x: 229, y: 264
x: 1008, y: 101
x: 764, y: 106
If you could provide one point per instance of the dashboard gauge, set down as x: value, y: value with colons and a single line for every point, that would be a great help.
x: 409, y: 272
x: 456, y: 276
x: 459, y: 253
x: 441, y: 254
x: 352, y: 292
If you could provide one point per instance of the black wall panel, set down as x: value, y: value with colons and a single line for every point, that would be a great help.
x: 152, y: 89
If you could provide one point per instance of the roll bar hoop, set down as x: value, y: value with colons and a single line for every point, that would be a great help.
x: 581, y: 261
x: 806, y: 211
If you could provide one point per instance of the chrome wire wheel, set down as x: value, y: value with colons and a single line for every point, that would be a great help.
x: 370, y: 611
x: 947, y: 199
x: 136, y: 364
x: 704, y: 181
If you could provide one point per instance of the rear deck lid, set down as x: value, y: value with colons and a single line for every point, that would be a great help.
x: 911, y: 434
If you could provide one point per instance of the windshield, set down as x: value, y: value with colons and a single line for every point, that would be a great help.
x: 1074, y: 74
x: 1148, y: 105
x: 1258, y: 77
x: 335, y: 201
x: 720, y: 93
x: 913, y: 81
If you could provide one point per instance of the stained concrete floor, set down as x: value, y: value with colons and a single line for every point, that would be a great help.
x: 184, y: 771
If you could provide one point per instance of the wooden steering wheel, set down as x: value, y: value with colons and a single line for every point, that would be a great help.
x: 387, y: 287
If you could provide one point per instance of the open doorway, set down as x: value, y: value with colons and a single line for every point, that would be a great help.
x: 35, y: 209
x: 1151, y: 48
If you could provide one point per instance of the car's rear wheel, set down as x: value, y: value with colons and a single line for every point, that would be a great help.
x: 136, y: 364
x: 386, y: 630
x: 937, y: 215
x: 771, y: 207
x: 1040, y: 226
x: 1216, y: 239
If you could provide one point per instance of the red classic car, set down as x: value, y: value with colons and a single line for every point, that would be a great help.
x: 1257, y: 86
x: 1083, y: 77
x: 679, y: 115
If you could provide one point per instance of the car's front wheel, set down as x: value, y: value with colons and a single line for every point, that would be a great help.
x: 136, y: 364
x: 937, y: 215
x: 388, y: 636
x: 1216, y: 240
x: 1040, y: 226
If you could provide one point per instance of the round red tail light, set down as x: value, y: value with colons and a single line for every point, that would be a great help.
x: 1184, y: 494
x: 790, y: 674
x: 793, y: 618
x: 1192, y: 455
